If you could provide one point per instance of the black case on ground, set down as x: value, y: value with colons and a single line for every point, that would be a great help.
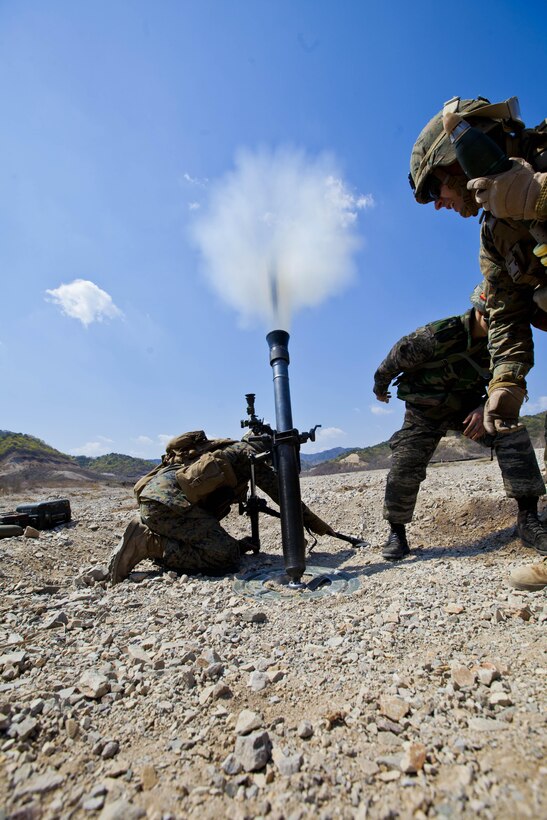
x: 44, y: 515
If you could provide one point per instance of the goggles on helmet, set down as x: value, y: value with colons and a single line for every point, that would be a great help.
x: 431, y: 189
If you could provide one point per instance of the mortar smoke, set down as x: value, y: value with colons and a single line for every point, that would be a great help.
x: 279, y: 233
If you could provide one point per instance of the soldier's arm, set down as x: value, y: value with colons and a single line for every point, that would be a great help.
x: 408, y: 353
x: 510, y: 308
x: 541, y: 204
x: 266, y: 479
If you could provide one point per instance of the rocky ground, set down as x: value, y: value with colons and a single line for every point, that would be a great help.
x: 419, y: 694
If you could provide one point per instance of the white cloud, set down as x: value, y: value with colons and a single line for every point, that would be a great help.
x: 85, y: 301
x: 194, y: 206
x: 326, y: 434
x: 325, y: 438
x: 92, y: 448
x: 200, y: 182
x: 143, y: 440
x: 378, y: 410
x: 535, y: 406
x: 163, y: 438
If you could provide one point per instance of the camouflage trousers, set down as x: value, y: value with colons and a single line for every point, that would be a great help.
x: 193, y: 540
x: 413, y: 447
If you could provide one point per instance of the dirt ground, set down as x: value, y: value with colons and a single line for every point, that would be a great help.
x: 411, y: 689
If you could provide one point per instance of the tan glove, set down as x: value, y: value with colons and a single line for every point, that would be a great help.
x: 541, y: 252
x: 501, y: 411
x: 316, y: 524
x: 511, y: 195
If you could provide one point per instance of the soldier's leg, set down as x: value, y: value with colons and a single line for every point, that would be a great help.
x: 522, y: 481
x: 412, y: 448
x: 193, y: 541
x: 137, y: 543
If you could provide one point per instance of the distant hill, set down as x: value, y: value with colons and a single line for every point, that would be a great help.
x: 536, y: 427
x: 117, y: 465
x: 26, y: 460
x: 453, y: 447
x: 309, y: 460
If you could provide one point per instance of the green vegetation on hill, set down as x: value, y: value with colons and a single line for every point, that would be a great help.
x: 117, y: 464
x: 536, y: 427
x: 378, y: 456
x: 23, y: 444
x: 21, y: 447
x: 374, y: 456
x: 29, y: 450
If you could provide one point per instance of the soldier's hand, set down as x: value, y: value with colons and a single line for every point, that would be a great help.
x: 385, y: 397
x: 246, y: 544
x: 511, y: 195
x: 474, y: 428
x: 501, y: 412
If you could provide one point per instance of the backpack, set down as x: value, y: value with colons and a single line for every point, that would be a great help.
x: 187, y: 450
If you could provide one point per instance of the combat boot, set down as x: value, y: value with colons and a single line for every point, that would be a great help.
x: 531, y: 531
x: 137, y: 543
x: 396, y: 546
x: 531, y: 578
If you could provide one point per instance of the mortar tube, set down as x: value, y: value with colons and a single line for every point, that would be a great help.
x: 286, y: 459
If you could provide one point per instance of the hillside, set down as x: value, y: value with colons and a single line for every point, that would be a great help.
x: 309, y: 460
x: 453, y: 447
x: 117, y: 465
x: 536, y: 427
x: 26, y: 460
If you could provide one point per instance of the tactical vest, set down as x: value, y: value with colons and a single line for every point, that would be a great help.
x: 513, y: 240
x: 181, y: 453
x: 458, y: 375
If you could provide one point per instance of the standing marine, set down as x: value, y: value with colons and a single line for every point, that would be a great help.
x: 512, y: 258
x: 441, y: 372
x: 182, y: 502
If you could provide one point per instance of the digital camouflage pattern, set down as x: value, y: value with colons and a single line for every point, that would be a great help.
x: 192, y: 538
x: 506, y: 258
x: 413, y: 447
x: 193, y: 542
x: 433, y: 148
x: 439, y: 368
x: 512, y: 271
x: 440, y: 387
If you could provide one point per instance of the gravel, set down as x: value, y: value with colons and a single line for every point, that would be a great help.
x: 421, y: 694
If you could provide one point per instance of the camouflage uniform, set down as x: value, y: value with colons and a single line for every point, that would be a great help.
x: 506, y: 257
x: 441, y: 373
x: 193, y: 540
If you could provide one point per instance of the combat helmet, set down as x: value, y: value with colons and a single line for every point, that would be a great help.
x: 433, y: 148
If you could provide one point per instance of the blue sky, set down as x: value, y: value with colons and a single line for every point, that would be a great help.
x: 119, y: 119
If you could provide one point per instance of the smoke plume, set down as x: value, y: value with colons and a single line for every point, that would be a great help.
x: 278, y: 233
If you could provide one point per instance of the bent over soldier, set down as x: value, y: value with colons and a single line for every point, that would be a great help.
x: 511, y: 259
x: 183, y: 500
x: 513, y: 247
x: 441, y: 373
